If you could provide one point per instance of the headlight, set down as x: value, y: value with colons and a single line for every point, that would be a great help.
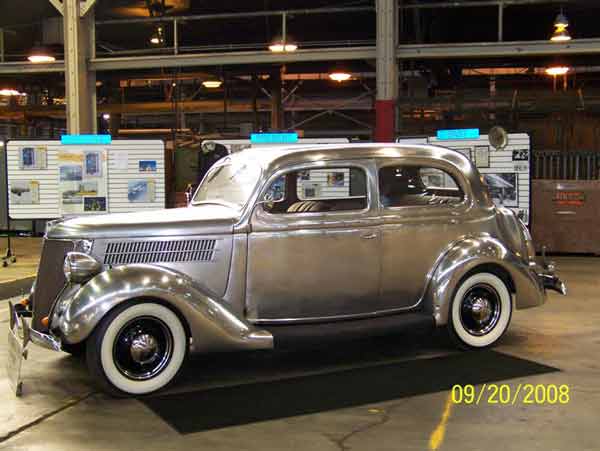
x: 84, y: 246
x: 79, y: 267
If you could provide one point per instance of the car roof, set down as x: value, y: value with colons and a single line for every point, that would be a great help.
x: 273, y: 157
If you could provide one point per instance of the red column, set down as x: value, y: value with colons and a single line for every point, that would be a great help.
x: 385, y: 120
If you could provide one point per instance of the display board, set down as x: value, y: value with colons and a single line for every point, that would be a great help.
x: 506, y: 171
x: 47, y: 179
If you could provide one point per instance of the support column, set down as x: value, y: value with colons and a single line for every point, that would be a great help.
x: 276, y: 105
x: 80, y: 83
x: 387, y: 70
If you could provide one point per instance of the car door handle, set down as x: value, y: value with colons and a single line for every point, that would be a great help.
x: 369, y: 236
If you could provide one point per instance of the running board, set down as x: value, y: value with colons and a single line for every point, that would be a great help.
x: 294, y: 335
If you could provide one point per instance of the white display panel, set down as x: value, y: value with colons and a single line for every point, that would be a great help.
x: 124, y: 176
x: 506, y: 171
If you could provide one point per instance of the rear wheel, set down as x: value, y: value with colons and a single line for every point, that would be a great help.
x: 137, y: 349
x: 480, y: 312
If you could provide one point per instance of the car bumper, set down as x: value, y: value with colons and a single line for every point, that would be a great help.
x: 20, y: 327
x: 547, y: 278
x: 552, y: 282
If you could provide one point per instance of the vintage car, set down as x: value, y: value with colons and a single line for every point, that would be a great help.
x: 284, y: 246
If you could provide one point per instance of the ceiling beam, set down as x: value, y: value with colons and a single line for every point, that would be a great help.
x: 477, y: 4
x: 232, y: 58
x: 499, y: 49
x: 58, y: 5
x: 404, y: 52
x: 25, y: 67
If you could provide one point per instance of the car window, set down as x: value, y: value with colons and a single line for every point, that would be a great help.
x: 319, y: 190
x: 406, y: 186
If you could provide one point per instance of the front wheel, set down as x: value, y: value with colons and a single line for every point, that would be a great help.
x: 480, y: 312
x: 136, y: 349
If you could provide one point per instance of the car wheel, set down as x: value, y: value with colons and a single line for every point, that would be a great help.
x: 137, y: 349
x: 480, y: 312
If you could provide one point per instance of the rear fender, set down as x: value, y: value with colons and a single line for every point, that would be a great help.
x: 484, y: 251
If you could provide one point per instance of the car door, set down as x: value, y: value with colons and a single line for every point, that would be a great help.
x: 424, y: 208
x: 315, y: 256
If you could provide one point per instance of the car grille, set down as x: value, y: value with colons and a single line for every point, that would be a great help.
x: 126, y: 252
x: 50, y: 279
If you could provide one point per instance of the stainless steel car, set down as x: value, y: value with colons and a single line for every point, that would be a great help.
x: 281, y: 246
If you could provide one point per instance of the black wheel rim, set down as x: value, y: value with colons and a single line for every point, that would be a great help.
x: 480, y: 309
x: 143, y: 348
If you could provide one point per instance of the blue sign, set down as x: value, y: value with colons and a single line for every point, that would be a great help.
x: 85, y: 139
x: 459, y: 133
x: 274, y: 138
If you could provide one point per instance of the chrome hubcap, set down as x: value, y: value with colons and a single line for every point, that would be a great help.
x: 143, y: 348
x: 480, y: 309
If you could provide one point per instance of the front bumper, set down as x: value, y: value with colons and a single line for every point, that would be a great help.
x: 20, y: 327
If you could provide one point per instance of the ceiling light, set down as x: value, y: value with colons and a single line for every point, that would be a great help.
x: 557, y: 70
x: 561, y: 24
x: 280, y: 45
x: 10, y: 92
x: 158, y: 37
x: 340, y: 76
x: 41, y: 54
x: 106, y: 116
x: 212, y: 84
x: 561, y: 36
x: 561, y: 21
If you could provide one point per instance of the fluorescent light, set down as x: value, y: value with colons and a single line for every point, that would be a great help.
x: 211, y: 84
x: 339, y: 76
x: 10, y: 93
x: 558, y: 70
x: 279, y: 46
x: 41, y: 58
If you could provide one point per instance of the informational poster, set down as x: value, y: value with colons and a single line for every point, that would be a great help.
x: 82, y: 182
x: 25, y: 192
x: 33, y: 157
x: 142, y: 191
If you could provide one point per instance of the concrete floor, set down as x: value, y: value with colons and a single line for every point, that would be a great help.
x: 385, y: 394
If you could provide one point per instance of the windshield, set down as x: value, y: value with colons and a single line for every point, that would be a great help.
x: 229, y: 182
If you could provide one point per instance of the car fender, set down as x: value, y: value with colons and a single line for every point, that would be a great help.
x: 465, y: 256
x: 213, y: 327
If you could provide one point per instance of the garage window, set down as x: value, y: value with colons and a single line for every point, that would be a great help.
x: 406, y: 186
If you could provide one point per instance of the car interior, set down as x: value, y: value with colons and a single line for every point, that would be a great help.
x: 402, y: 186
x: 316, y: 191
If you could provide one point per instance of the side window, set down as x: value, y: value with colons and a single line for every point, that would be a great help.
x: 406, y: 186
x: 319, y: 190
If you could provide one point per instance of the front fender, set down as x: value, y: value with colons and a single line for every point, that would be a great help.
x: 468, y: 254
x: 212, y: 326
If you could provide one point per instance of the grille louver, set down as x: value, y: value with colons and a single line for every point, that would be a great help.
x: 159, y: 251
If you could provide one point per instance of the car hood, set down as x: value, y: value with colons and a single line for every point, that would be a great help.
x: 199, y: 220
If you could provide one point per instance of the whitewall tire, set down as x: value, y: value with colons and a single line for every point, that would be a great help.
x: 137, y: 349
x: 480, y: 311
